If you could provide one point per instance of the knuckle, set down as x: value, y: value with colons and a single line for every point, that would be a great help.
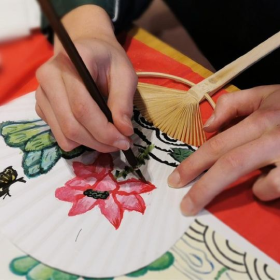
x: 42, y: 72
x: 231, y: 161
x: 275, y: 134
x: 224, y: 100
x: 263, y: 118
x: 70, y: 130
x: 216, y: 145
x: 80, y: 110
x: 105, y: 136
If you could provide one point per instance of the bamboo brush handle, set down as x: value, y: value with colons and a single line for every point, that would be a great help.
x: 225, y: 75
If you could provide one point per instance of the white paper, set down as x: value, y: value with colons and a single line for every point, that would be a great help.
x: 87, y: 244
x: 38, y: 223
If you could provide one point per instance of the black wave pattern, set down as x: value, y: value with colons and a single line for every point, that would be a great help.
x: 152, y: 135
x: 229, y: 255
x: 190, y: 260
x: 163, y: 137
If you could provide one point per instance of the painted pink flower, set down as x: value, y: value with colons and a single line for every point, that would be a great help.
x: 95, y: 185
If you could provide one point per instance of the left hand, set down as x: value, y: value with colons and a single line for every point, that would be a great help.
x: 251, y: 144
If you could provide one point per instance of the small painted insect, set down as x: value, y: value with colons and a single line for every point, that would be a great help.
x: 7, y: 178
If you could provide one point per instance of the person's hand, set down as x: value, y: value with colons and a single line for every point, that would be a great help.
x: 251, y: 144
x: 62, y: 99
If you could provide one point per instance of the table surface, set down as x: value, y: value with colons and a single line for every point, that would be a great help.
x: 237, y: 207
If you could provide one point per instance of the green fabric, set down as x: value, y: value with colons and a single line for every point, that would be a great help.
x: 63, y: 7
x: 128, y: 10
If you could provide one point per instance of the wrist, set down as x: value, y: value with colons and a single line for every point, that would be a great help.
x: 87, y: 22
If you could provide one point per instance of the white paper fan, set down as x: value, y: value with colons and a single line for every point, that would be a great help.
x: 88, y: 244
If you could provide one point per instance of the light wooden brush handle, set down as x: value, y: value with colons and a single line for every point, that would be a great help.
x: 216, y: 81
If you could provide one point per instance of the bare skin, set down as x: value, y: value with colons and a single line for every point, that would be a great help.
x: 75, y: 119
x: 251, y: 144
x: 62, y: 99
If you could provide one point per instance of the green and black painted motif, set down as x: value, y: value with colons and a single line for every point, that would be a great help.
x: 35, y: 139
x: 142, y: 157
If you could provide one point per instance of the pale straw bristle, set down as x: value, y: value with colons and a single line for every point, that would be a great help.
x: 172, y: 111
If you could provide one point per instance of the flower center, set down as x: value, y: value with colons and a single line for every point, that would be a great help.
x: 96, y: 194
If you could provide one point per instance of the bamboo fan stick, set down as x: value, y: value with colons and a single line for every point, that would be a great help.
x: 176, y: 112
x: 216, y: 81
x: 167, y: 76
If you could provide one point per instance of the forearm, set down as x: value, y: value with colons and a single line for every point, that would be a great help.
x: 87, y: 22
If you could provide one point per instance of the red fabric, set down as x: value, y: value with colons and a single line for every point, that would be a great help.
x: 237, y: 207
x: 20, y: 59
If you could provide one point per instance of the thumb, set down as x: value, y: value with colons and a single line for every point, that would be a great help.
x: 123, y: 84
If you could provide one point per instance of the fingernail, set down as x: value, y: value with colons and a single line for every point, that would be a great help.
x: 174, y: 179
x: 187, y: 207
x: 122, y: 145
x: 127, y: 120
x: 209, y: 121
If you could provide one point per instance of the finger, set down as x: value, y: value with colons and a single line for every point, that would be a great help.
x: 122, y: 89
x: 88, y: 113
x: 40, y: 112
x: 229, y: 168
x: 62, y: 122
x: 42, y: 106
x: 237, y: 104
x: 246, y: 131
x: 267, y: 187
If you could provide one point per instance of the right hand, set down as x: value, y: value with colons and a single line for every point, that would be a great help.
x: 63, y: 101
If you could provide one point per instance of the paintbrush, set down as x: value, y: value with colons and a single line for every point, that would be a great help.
x: 77, y: 61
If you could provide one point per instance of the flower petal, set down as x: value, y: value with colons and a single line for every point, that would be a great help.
x: 77, y: 184
x: 133, y: 202
x: 112, y: 210
x: 83, y: 171
x: 67, y: 194
x: 108, y: 183
x: 82, y: 205
x: 135, y: 186
x: 81, y: 183
x: 101, y: 166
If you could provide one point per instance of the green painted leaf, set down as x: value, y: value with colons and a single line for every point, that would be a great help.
x: 31, y: 163
x: 32, y: 158
x: 34, y: 138
x: 32, y: 171
x: 162, y: 263
x: 59, y: 275
x: 40, y: 141
x: 86, y: 278
x: 220, y: 273
x: 7, y: 128
x: 22, y: 265
x: 49, y: 158
x: 40, y: 272
x: 74, y: 153
x: 18, y: 139
x: 180, y: 154
x: 138, y: 273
